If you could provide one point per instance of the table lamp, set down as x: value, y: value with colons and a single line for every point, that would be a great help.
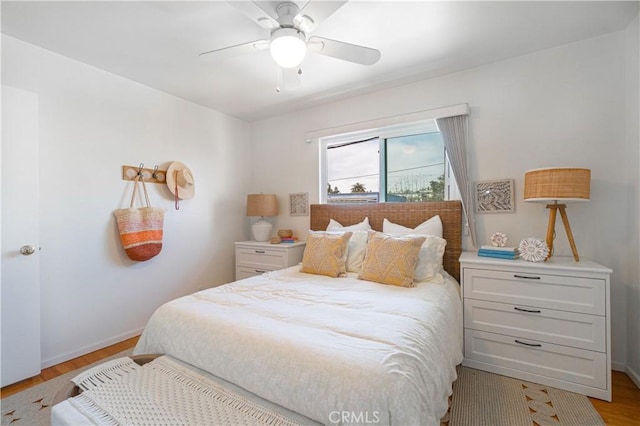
x: 561, y: 184
x: 262, y: 205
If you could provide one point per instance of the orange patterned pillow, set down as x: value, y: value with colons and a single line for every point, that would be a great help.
x: 326, y: 254
x: 391, y: 259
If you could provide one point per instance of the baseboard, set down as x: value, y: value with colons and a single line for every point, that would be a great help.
x: 633, y: 375
x: 87, y: 349
x: 615, y: 366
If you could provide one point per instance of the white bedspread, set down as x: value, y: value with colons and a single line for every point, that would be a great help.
x: 339, y: 351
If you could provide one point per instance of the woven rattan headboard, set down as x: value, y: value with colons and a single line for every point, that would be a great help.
x: 406, y: 214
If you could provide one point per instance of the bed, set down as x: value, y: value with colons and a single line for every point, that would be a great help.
x: 329, y: 350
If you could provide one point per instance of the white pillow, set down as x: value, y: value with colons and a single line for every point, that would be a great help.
x: 431, y: 226
x: 429, y: 258
x: 356, y: 249
x: 336, y: 226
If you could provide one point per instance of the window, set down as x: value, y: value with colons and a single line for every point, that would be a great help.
x: 353, y: 171
x: 404, y: 163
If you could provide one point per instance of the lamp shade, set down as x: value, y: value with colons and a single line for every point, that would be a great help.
x: 262, y: 205
x: 561, y: 183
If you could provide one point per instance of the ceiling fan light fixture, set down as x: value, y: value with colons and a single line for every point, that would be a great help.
x: 288, y: 47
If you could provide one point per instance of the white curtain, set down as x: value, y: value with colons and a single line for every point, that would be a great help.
x: 454, y: 132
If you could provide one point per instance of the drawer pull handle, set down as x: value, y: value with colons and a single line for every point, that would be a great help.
x: 259, y: 251
x: 526, y: 277
x: 259, y: 271
x: 532, y: 311
x: 535, y: 345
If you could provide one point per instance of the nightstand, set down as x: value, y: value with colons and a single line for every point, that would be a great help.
x: 255, y: 258
x: 546, y: 322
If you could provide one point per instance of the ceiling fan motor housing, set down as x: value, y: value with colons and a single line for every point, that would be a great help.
x: 287, y: 11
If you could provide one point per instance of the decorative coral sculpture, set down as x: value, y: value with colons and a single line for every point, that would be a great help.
x: 533, y: 250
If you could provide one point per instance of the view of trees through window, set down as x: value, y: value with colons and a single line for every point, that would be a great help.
x: 412, y: 168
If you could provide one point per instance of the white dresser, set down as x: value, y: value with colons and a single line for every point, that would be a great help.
x: 546, y: 323
x: 255, y: 258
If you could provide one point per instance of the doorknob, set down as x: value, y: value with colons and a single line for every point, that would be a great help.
x: 27, y: 250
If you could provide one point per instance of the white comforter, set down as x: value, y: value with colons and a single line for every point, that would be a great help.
x: 339, y: 351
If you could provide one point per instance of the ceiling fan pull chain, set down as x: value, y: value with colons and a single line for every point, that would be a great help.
x: 176, y: 197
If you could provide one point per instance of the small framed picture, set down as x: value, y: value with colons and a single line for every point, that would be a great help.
x: 495, y: 196
x: 299, y: 204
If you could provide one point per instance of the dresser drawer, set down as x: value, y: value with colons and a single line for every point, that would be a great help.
x: 548, y: 325
x: 262, y: 256
x: 587, y: 368
x: 567, y: 293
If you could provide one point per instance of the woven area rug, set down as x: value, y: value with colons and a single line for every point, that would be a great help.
x: 479, y: 399
x: 32, y: 407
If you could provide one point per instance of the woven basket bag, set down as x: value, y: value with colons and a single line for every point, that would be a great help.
x: 140, y: 228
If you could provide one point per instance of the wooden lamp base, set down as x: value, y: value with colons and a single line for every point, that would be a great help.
x: 553, y: 208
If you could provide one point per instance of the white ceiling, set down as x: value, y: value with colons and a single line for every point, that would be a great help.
x: 157, y: 43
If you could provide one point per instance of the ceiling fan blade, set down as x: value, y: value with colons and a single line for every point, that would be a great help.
x: 232, y: 51
x: 289, y: 79
x: 345, y: 51
x: 315, y: 12
x: 258, y: 13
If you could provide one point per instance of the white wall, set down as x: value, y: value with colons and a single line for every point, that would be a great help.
x: 633, y: 165
x: 559, y: 107
x: 91, y: 123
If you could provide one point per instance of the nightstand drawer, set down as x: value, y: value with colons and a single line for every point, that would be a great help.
x: 504, y: 355
x: 255, y: 258
x: 547, y: 325
x: 262, y: 256
x: 246, y: 272
x: 567, y: 293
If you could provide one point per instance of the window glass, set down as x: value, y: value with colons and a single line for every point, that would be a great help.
x: 353, y: 171
x: 415, y: 168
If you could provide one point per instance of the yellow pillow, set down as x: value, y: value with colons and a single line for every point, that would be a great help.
x: 326, y: 254
x: 391, y: 259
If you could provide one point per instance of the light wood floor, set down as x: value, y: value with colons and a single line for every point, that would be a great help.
x: 623, y: 411
x: 65, y: 367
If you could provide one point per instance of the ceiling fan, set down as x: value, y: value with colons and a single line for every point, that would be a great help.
x: 289, y: 39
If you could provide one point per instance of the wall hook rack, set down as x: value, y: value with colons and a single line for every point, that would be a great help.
x: 150, y: 175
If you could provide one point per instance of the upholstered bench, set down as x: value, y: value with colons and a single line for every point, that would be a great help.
x: 157, y: 389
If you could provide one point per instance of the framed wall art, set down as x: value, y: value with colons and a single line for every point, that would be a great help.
x: 299, y: 204
x: 495, y: 196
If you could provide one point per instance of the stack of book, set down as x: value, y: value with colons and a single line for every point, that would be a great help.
x: 288, y: 239
x: 499, y: 252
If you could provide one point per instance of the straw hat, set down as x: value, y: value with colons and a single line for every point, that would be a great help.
x: 181, y: 174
